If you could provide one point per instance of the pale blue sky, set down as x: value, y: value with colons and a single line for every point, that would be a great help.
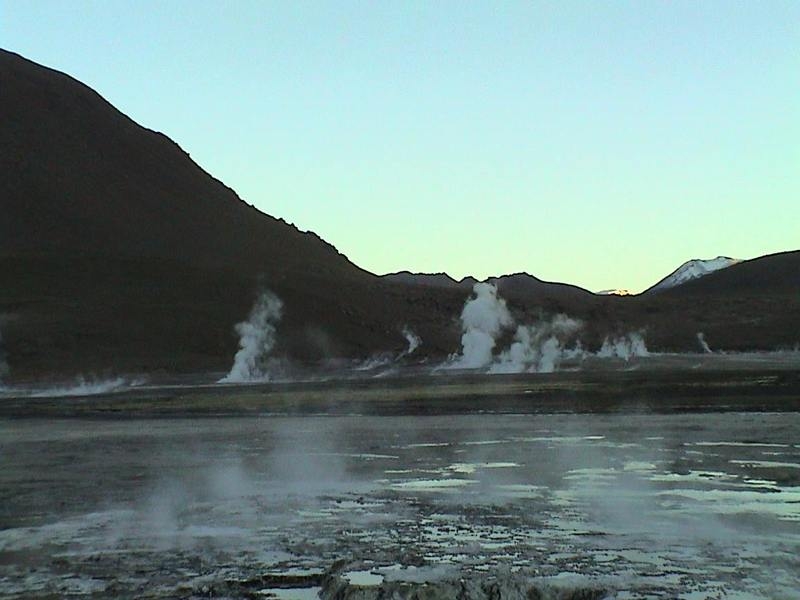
x: 597, y: 143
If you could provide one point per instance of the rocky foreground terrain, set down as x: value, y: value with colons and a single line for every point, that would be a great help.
x: 475, y: 488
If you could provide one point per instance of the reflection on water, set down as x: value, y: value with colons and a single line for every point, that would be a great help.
x: 643, y: 505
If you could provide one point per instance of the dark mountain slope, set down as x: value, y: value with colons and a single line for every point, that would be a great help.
x: 770, y: 275
x: 752, y: 305
x: 435, y: 280
x: 82, y: 178
x: 118, y: 252
x: 521, y: 288
x: 524, y: 287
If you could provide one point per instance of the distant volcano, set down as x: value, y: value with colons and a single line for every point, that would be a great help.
x: 693, y: 269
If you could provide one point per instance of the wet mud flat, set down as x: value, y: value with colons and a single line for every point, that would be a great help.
x: 356, y: 502
x: 660, y: 385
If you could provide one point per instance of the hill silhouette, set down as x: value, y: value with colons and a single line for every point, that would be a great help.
x: 119, y: 253
x: 114, y: 243
x: 772, y: 274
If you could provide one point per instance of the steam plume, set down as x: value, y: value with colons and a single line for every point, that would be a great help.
x: 381, y: 360
x: 373, y: 362
x: 413, y: 340
x: 88, y: 387
x: 537, y: 348
x: 624, y: 347
x: 483, y: 318
x: 256, y: 340
x: 3, y: 363
x: 701, y: 338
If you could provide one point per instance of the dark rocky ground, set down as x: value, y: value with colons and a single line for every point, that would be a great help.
x: 659, y: 384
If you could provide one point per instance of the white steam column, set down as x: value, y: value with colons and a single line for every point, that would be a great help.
x: 3, y: 363
x: 483, y: 318
x: 256, y: 340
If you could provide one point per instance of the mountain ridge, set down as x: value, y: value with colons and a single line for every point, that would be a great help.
x: 87, y: 194
x: 118, y: 252
x: 690, y: 270
x: 776, y: 272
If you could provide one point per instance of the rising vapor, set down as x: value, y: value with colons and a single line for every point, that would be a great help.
x: 87, y: 387
x: 701, y: 339
x: 538, y: 348
x: 413, y: 340
x: 256, y: 340
x: 3, y: 364
x: 535, y: 348
x: 624, y: 347
x: 483, y: 318
x: 385, y: 359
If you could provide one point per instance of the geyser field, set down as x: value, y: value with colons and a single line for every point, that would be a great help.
x: 522, y: 466
x: 202, y: 400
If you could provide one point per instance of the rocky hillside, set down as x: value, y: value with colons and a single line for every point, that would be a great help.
x: 692, y: 269
x: 120, y: 254
x: 117, y: 251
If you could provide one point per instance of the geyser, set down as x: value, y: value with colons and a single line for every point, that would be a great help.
x: 701, y: 339
x: 383, y: 359
x: 256, y: 340
x: 87, y: 387
x: 624, y: 347
x: 3, y: 364
x: 413, y: 340
x: 537, y: 348
x: 483, y: 318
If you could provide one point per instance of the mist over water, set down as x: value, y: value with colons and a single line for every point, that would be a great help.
x: 256, y: 340
x: 660, y: 505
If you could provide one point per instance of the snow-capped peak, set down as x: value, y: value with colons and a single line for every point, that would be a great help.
x: 692, y: 270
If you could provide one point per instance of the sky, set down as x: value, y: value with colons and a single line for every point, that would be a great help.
x: 596, y: 143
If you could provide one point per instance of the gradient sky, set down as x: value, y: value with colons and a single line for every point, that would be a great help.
x: 597, y: 143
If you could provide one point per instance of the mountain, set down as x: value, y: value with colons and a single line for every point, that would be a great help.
x: 770, y: 275
x: 613, y: 292
x: 528, y: 295
x: 692, y: 269
x: 435, y: 280
x: 117, y: 251
x: 118, y: 254
x: 81, y: 178
x: 524, y: 289
x: 520, y: 287
x: 753, y: 304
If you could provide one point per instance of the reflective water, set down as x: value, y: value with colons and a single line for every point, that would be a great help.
x: 643, y: 505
